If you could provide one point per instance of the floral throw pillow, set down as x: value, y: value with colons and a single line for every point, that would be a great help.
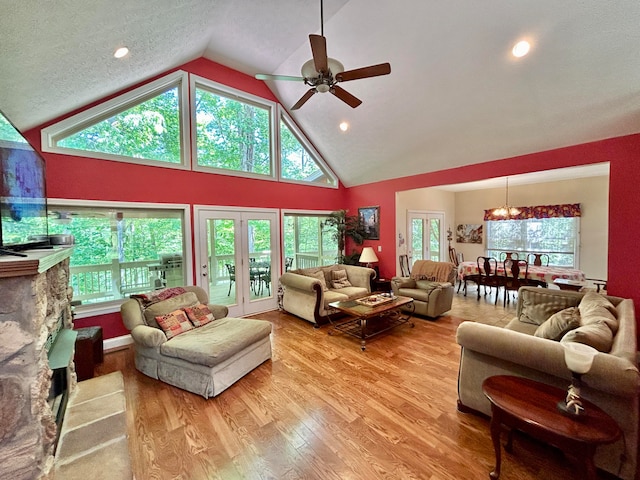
x: 174, y: 323
x: 199, y: 315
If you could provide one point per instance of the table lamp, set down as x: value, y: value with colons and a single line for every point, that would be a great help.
x: 579, y: 358
x: 368, y: 256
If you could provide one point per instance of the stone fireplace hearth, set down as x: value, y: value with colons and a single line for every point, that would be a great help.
x: 34, y: 297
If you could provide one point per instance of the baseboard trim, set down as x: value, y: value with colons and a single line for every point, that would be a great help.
x: 117, y: 343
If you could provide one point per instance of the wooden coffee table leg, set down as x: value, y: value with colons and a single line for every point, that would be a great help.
x: 363, y: 337
x: 495, y: 438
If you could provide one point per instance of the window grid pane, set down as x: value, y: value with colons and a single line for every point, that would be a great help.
x: 121, y: 251
x: 232, y: 135
x: 296, y: 161
x: 558, y: 237
x: 149, y: 130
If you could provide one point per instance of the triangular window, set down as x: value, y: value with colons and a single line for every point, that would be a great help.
x: 147, y: 124
x: 299, y: 161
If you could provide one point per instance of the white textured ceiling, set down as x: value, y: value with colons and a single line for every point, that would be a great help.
x: 455, y: 96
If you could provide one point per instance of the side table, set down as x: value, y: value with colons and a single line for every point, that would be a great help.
x: 381, y: 285
x: 89, y: 351
x: 531, y: 407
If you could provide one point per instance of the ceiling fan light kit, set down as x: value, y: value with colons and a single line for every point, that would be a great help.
x: 323, y: 73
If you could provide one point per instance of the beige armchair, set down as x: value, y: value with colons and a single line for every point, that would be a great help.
x: 431, y: 285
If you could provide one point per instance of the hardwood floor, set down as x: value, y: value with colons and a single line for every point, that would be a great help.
x: 322, y: 409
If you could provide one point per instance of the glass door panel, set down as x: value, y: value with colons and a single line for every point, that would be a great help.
x: 425, y: 236
x: 434, y: 238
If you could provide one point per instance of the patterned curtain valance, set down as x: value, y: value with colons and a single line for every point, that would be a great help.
x: 540, y: 211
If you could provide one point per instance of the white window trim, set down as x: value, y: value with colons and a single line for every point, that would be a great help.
x: 304, y: 141
x: 91, y: 310
x: 52, y: 134
x: 244, y: 97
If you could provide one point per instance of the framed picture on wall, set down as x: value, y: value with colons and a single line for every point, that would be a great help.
x: 469, y: 233
x: 370, y: 218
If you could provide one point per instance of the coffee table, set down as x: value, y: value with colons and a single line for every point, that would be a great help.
x: 532, y: 407
x: 367, y: 321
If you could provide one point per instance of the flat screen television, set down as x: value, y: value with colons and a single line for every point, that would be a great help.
x: 23, y: 200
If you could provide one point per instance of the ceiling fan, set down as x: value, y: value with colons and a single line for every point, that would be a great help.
x: 323, y: 73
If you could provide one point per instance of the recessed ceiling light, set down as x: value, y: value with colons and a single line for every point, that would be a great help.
x: 344, y: 126
x: 121, y: 52
x: 521, y: 48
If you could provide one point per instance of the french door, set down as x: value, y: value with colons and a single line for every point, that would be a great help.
x: 425, y: 236
x: 237, y: 257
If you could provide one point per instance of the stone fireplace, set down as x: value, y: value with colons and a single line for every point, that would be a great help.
x: 34, y: 304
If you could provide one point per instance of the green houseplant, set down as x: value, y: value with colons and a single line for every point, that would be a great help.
x: 344, y: 226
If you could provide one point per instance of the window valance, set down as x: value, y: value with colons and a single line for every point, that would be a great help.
x: 540, y: 211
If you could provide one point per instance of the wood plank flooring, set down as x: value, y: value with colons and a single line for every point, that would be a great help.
x: 322, y: 409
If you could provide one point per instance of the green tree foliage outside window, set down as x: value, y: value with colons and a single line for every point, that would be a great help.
x: 296, y: 162
x: 149, y: 130
x: 558, y: 237
x: 7, y: 132
x: 232, y: 135
x: 106, y: 240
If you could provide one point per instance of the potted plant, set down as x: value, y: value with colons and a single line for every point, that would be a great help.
x: 346, y: 226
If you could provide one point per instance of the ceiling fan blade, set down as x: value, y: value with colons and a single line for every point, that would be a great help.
x: 345, y: 96
x: 319, y: 52
x: 264, y: 76
x: 304, y: 98
x: 364, y: 72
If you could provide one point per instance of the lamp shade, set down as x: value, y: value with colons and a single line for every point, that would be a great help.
x: 578, y: 356
x: 368, y: 255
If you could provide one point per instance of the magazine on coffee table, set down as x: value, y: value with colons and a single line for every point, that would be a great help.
x: 374, y: 300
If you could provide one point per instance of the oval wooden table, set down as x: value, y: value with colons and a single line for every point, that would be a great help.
x: 532, y: 407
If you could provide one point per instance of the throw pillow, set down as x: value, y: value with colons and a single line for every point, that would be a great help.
x: 559, y: 324
x: 594, y: 307
x: 199, y: 315
x: 319, y: 275
x: 536, y: 307
x: 188, y: 299
x: 596, y: 334
x: 339, y: 279
x: 174, y: 323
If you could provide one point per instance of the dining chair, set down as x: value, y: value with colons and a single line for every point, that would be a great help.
x: 516, y: 273
x: 487, y: 275
x: 456, y: 259
x: 265, y: 280
x: 405, y: 270
x: 539, y: 259
x: 288, y: 263
x: 232, y: 275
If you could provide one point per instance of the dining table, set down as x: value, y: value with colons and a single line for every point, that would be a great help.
x: 545, y: 273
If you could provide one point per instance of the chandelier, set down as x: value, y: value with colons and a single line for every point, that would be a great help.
x: 506, y: 211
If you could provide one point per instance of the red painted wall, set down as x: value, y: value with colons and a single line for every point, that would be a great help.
x: 82, y: 178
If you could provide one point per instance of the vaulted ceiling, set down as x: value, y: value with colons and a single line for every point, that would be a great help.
x: 455, y: 95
